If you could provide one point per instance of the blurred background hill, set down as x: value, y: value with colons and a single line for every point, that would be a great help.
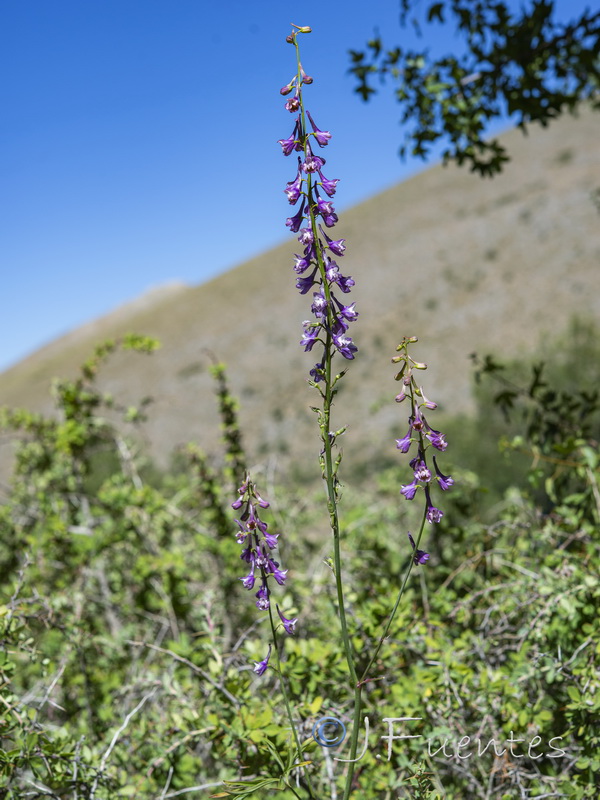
x: 465, y: 264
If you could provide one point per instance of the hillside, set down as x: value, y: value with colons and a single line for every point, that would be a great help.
x: 462, y: 263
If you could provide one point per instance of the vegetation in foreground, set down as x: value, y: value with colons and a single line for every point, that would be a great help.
x: 127, y: 641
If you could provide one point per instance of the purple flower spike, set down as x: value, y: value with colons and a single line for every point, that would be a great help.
x: 317, y: 214
x: 260, y: 667
x: 288, y: 624
x: 420, y: 556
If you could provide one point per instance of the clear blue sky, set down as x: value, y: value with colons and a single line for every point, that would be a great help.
x: 138, y: 142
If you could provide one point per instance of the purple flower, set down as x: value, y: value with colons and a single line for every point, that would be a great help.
x: 262, y: 596
x: 316, y: 372
x: 306, y: 236
x: 336, y: 246
x: 404, y: 444
x: 271, y: 540
x: 328, y: 186
x: 422, y: 473
x: 302, y: 263
x: 288, y: 624
x: 417, y: 421
x: 345, y: 346
x: 432, y: 514
x: 289, y: 145
x: 273, y: 569
x: 437, y: 439
x: 322, y: 137
x: 347, y: 312
x: 319, y: 304
x: 248, y: 581
x: 260, y: 667
x: 445, y: 481
x: 409, y: 490
x: 305, y: 284
x: 312, y: 163
x: 293, y: 189
x: 310, y: 335
x: 420, y: 556
x: 293, y: 223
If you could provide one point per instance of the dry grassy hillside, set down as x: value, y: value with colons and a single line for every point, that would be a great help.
x: 462, y: 263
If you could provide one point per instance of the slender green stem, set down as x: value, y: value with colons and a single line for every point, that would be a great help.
x: 286, y: 700
x: 396, y: 604
x: 329, y: 468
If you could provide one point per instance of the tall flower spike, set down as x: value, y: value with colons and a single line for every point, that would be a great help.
x: 332, y: 316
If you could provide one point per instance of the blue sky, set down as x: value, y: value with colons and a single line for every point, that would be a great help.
x: 138, y: 142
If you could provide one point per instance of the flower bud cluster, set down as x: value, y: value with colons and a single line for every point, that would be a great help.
x: 258, y: 546
x: 316, y: 267
x: 421, y: 434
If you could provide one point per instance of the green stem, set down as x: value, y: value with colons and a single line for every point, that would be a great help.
x: 397, y: 603
x: 287, y: 702
x: 329, y: 471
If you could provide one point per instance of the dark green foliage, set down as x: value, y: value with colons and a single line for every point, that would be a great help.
x: 523, y: 64
x: 127, y: 641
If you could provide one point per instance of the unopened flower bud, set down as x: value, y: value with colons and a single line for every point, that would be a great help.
x: 290, y: 38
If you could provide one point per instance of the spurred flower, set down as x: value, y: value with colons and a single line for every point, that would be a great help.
x: 404, y: 444
x: 445, y: 481
x: 260, y: 667
x: 288, y: 624
x: 322, y: 137
x: 420, y: 556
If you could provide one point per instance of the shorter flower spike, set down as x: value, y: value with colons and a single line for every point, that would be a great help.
x: 421, y: 433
